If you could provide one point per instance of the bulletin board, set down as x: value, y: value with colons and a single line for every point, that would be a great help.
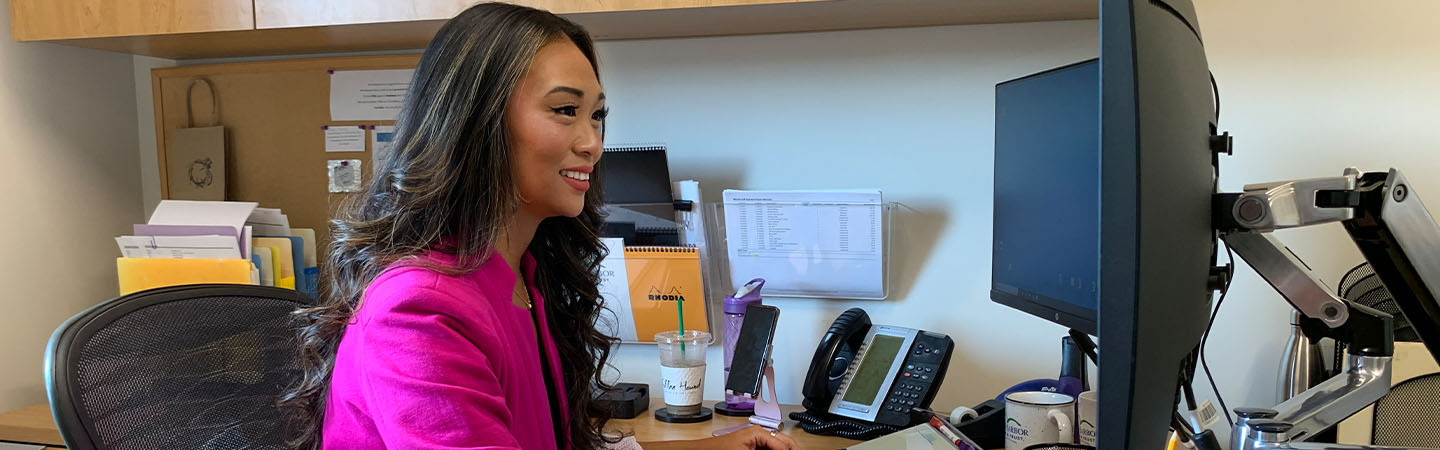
x: 273, y: 113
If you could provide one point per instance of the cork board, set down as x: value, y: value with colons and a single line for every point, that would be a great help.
x: 273, y: 112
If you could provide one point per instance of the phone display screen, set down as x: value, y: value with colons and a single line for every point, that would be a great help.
x: 748, y: 363
x: 871, y: 374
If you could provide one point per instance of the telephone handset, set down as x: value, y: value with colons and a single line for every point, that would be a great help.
x: 875, y: 373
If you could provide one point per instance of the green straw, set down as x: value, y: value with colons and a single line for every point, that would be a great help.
x: 680, y: 306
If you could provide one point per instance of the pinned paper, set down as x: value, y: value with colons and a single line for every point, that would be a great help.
x: 368, y: 94
x: 344, y: 175
x: 380, y: 138
x: 344, y: 138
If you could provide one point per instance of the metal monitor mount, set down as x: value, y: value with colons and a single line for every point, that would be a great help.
x: 1400, y: 240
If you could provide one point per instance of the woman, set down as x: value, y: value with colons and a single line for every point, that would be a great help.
x: 461, y: 298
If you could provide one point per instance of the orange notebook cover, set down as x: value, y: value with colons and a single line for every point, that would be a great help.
x: 661, y: 278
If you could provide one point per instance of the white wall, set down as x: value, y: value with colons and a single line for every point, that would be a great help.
x: 1308, y: 88
x: 70, y: 180
x: 149, y: 152
x: 908, y: 111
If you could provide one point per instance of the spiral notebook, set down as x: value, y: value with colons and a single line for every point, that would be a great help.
x: 635, y: 174
x: 661, y: 281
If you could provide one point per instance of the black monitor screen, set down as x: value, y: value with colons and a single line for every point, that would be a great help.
x: 1046, y: 249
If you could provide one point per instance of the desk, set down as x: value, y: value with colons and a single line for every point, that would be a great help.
x: 30, y: 425
x: 646, y: 428
x: 34, y: 425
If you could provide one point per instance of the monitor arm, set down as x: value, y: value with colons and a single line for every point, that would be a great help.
x: 1387, y: 221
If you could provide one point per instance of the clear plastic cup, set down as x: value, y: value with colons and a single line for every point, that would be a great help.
x: 682, y: 369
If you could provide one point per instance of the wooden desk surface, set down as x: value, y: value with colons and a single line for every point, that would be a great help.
x: 30, y: 425
x: 646, y: 428
x: 34, y: 425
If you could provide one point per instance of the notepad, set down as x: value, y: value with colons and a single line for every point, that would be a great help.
x: 661, y: 278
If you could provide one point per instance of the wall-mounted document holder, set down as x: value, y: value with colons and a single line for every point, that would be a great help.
x: 816, y: 249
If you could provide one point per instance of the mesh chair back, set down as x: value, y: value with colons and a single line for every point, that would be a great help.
x: 1407, y: 416
x: 1361, y: 285
x: 193, y: 367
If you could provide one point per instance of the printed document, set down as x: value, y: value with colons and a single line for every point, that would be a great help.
x: 372, y: 95
x: 825, y: 243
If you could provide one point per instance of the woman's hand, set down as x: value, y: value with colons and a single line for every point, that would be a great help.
x: 748, y: 438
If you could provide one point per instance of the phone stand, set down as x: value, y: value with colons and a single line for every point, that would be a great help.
x: 767, y: 411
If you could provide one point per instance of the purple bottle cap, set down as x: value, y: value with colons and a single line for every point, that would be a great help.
x: 749, y: 294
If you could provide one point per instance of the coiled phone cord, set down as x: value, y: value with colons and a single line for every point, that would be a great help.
x: 846, y: 428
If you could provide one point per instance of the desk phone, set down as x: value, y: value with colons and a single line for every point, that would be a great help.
x: 875, y: 373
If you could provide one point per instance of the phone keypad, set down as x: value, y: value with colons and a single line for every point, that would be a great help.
x: 912, y: 387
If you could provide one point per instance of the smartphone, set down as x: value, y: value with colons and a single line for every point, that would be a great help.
x: 752, y: 350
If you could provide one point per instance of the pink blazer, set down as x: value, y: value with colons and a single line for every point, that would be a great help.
x: 437, y: 362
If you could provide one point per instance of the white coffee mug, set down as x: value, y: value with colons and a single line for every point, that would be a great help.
x: 1038, y: 418
x: 1086, y: 417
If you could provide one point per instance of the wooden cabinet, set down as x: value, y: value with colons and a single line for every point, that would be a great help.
x: 309, y: 13
x: 188, y: 29
x: 33, y: 20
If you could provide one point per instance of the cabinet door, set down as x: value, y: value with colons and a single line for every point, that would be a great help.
x: 70, y: 19
x: 307, y: 13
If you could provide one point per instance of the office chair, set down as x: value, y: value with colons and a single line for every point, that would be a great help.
x: 193, y: 367
x: 1406, y: 416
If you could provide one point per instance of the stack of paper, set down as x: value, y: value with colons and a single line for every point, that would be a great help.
x: 192, y: 242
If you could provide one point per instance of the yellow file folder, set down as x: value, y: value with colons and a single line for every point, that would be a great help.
x: 138, y: 274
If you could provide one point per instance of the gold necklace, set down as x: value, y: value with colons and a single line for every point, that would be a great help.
x: 524, y: 294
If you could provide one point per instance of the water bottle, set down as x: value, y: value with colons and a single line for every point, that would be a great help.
x: 735, y: 304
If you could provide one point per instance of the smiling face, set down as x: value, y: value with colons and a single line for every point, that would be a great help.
x: 554, y: 120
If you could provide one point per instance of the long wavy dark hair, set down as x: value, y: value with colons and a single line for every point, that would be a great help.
x: 446, y: 185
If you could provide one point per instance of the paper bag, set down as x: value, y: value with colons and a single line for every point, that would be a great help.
x: 196, y: 158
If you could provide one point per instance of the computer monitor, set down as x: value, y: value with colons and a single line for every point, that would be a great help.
x: 1045, y: 249
x: 1156, y: 243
